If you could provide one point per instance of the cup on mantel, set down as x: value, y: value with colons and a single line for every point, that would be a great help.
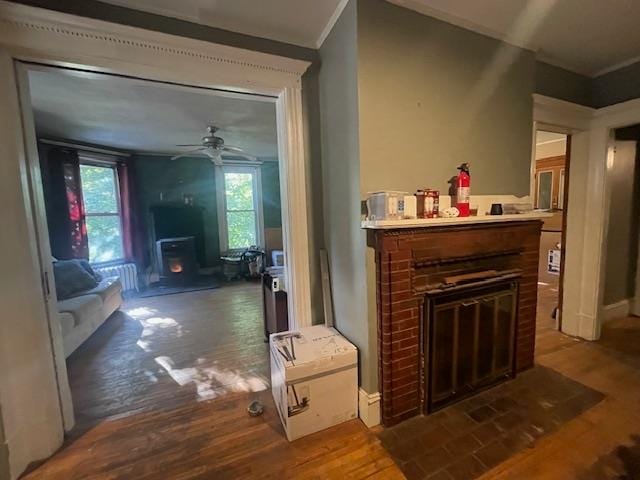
x: 496, y: 209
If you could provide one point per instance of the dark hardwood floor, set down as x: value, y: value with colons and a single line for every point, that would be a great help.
x: 162, y: 352
x: 161, y: 391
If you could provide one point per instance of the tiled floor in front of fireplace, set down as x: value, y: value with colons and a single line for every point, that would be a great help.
x: 469, y: 438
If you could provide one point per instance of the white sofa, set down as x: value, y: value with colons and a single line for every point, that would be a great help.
x: 82, y: 314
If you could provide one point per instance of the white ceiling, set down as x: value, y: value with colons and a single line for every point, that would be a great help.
x: 299, y: 22
x: 142, y: 116
x: 550, y: 144
x: 586, y: 36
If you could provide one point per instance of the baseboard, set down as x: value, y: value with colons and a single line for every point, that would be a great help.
x: 369, y: 408
x: 619, y: 309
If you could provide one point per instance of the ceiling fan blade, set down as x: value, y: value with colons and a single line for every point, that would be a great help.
x: 189, y: 145
x: 186, y: 154
x: 239, y: 152
x: 231, y: 148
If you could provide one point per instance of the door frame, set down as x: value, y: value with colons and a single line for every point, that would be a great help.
x: 35, y: 35
x: 592, y: 150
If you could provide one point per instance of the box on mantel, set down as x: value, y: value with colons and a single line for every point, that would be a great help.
x: 314, y: 379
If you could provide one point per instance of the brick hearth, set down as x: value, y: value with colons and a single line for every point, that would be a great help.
x: 405, y: 260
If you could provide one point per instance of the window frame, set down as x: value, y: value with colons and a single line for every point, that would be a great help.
x: 98, y: 161
x: 221, y: 197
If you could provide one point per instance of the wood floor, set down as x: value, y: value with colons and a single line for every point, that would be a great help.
x: 161, y: 392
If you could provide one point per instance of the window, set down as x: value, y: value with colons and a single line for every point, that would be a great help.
x: 102, y: 210
x: 544, y: 189
x: 239, y: 206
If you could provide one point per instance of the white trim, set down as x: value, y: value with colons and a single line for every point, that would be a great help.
x: 561, y: 183
x: 38, y: 34
x: 565, y: 116
x: 331, y: 23
x: 84, y: 148
x: 295, y: 233
x: 369, y: 408
x: 615, y: 310
x: 45, y: 261
x: 57, y: 39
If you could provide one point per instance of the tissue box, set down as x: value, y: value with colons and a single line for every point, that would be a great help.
x: 314, y: 379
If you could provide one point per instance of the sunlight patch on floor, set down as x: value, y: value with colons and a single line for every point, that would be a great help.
x: 211, y: 382
x: 153, y: 325
x: 140, y: 312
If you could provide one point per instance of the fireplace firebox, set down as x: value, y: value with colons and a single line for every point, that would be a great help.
x: 176, y: 260
x: 469, y: 336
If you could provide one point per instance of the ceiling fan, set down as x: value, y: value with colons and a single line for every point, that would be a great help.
x: 214, y: 147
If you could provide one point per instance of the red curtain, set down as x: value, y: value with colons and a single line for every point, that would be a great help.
x: 131, y: 221
x: 79, y: 241
x: 60, y: 169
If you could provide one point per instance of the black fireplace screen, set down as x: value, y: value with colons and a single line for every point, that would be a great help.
x: 469, y: 340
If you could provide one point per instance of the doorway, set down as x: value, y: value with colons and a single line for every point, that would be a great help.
x: 550, y: 192
x: 50, y: 38
x: 174, y: 238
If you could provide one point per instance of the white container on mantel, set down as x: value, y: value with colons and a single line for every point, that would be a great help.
x: 439, y: 222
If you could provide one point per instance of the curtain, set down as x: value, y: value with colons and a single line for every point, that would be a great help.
x: 62, y: 188
x: 132, y: 221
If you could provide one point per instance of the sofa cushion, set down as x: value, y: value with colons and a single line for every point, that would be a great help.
x: 71, y: 278
x: 67, y: 322
x: 107, y: 288
x: 83, y: 308
x: 87, y: 266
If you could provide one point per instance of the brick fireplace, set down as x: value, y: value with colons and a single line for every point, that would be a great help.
x: 495, y: 264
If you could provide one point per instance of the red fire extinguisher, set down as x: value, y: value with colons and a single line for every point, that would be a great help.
x: 463, y: 190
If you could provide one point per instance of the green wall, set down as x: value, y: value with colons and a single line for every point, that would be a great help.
x: 404, y: 99
x: 158, y: 175
x: 557, y: 82
x: 344, y: 239
x: 271, y: 207
x: 433, y: 95
x: 617, y: 86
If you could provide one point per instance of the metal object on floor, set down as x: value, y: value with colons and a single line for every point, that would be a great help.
x: 255, y: 408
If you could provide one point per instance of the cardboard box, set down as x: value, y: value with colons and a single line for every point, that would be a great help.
x: 314, y: 379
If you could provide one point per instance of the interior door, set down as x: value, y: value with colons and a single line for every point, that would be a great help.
x: 43, y: 246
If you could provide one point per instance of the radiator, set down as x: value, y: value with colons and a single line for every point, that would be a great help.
x: 127, y: 273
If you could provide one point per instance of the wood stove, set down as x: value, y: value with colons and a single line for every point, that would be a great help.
x: 176, y: 260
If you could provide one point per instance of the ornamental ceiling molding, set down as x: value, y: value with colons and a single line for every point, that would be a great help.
x: 26, y: 27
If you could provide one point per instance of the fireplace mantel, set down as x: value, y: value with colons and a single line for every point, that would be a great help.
x: 439, y: 222
x: 409, y: 259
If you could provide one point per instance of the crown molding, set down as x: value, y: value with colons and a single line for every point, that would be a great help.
x: 331, y: 23
x: 20, y: 23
